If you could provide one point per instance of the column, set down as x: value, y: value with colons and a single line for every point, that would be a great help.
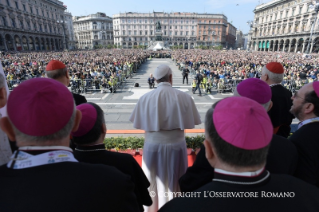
x: 189, y: 46
x: 273, y: 47
x: 311, y: 48
x: 5, y: 44
x: 303, y: 47
x: 289, y: 47
x: 296, y: 48
x: 283, y: 47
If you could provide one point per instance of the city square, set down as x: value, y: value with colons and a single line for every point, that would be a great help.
x: 159, y: 106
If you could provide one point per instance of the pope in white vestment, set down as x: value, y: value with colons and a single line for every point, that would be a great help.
x: 164, y: 114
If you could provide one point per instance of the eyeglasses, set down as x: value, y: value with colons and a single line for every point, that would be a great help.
x: 296, y: 96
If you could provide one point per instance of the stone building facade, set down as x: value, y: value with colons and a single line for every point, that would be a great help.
x: 230, y: 36
x: 69, y: 32
x: 179, y: 29
x: 93, y: 31
x: 211, y: 29
x: 239, y: 39
x: 32, y: 25
x: 284, y: 25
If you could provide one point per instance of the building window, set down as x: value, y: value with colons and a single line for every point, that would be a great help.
x: 129, y: 32
x: 193, y: 33
x: 181, y: 27
x: 35, y: 27
x: 134, y: 32
x: 141, y: 33
x: 17, y: 5
x: 31, y: 10
x: 8, y: 2
x: 13, y: 23
x: 151, y: 32
x: 175, y: 33
x: 123, y: 32
x: 4, y: 21
x: 21, y: 24
x: 170, y: 32
x: 145, y: 32
x: 40, y: 26
x: 186, y: 33
x: 293, y: 12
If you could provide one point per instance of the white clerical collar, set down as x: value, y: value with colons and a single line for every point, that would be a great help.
x: 43, y: 148
x: 272, y: 85
x: 242, y: 174
x: 315, y: 119
x: 164, y: 83
x: 22, y: 160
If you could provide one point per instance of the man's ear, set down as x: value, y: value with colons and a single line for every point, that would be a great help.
x: 208, y: 149
x: 77, y: 120
x: 7, y: 128
x: 309, y: 108
x: 3, y: 97
x: 104, y: 128
x: 270, y: 106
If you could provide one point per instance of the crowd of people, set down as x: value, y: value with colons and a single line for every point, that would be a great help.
x: 223, y: 70
x: 249, y: 161
x: 98, y: 70
x: 105, y: 69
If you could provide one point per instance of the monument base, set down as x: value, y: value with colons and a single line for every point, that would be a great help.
x: 157, y: 46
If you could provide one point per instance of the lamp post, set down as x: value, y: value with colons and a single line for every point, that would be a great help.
x: 315, y: 7
x: 251, y: 25
x: 102, y: 34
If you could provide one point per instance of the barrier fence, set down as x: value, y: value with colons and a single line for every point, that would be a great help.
x: 112, y: 84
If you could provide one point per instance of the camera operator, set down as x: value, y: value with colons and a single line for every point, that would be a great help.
x: 185, y: 74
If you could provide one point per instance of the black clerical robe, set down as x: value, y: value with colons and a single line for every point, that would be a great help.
x: 279, y: 114
x: 306, y: 140
x: 123, y: 162
x: 263, y: 193
x: 65, y: 187
x: 282, y: 159
x: 79, y: 99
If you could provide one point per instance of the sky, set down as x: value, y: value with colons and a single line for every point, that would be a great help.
x: 238, y: 12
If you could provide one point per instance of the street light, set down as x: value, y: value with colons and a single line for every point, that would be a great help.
x: 314, y: 6
x: 251, y: 23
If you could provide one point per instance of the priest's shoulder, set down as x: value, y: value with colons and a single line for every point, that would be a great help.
x: 70, y: 169
x: 79, y: 99
x: 120, y: 156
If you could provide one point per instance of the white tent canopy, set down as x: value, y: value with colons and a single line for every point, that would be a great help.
x: 158, y: 46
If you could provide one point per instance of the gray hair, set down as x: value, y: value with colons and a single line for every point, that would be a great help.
x: 276, y: 78
x: 165, y: 78
x: 56, y: 74
x: 64, y: 132
x: 266, y: 105
x: 2, y: 81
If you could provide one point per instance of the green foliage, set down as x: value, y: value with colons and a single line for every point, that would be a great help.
x: 120, y: 143
x: 220, y: 47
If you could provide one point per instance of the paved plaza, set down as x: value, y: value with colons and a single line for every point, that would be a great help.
x: 118, y: 106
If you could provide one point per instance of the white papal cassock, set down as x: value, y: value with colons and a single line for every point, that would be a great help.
x: 164, y: 113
